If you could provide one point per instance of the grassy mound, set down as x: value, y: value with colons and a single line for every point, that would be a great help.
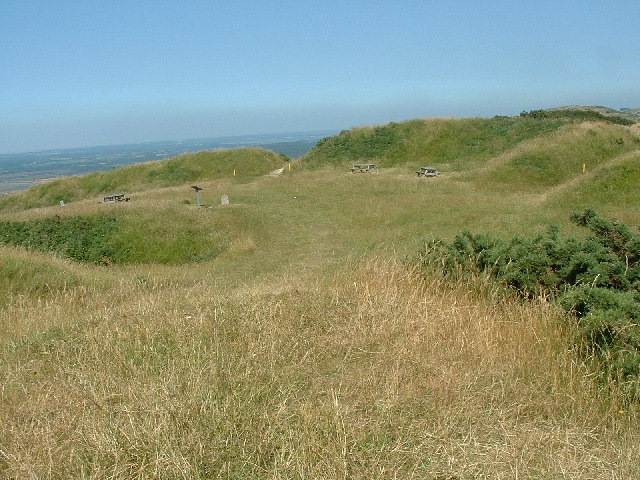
x: 557, y: 158
x: 247, y: 164
x: 613, y: 187
x: 458, y: 144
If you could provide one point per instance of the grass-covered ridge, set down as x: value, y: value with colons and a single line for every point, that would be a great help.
x: 545, y: 149
x: 456, y: 143
x: 248, y: 163
x: 552, y: 160
x: 600, y: 114
x: 614, y: 186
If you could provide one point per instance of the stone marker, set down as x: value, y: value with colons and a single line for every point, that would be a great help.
x: 224, y: 200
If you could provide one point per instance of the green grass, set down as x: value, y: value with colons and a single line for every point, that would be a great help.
x: 560, y: 158
x: 614, y: 189
x: 32, y: 275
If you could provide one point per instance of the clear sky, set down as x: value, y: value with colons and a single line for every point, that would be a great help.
x: 89, y: 72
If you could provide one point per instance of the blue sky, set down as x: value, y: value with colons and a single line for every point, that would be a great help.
x: 83, y: 73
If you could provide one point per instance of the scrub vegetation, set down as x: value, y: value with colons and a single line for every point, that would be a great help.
x: 596, y: 279
x: 307, y: 329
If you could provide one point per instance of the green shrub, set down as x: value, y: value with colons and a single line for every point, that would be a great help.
x: 595, y: 279
x: 79, y: 238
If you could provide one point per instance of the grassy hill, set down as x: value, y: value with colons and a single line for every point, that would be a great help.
x: 632, y: 114
x: 288, y: 334
x: 244, y: 164
x: 454, y: 144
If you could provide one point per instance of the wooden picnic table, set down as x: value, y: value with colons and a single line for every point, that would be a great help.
x: 363, y: 168
x: 428, y: 172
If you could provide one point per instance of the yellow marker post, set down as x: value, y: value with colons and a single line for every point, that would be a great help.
x: 584, y: 168
x: 234, y: 172
x: 289, y: 167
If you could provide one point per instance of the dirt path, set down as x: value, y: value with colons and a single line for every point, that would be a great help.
x: 275, y: 173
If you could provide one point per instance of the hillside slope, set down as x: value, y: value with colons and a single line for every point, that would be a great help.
x: 632, y: 114
x: 554, y: 159
x: 244, y: 164
x: 463, y: 145
x: 527, y: 160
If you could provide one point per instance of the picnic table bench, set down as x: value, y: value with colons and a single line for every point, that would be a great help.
x: 117, y: 197
x: 363, y: 168
x: 428, y: 172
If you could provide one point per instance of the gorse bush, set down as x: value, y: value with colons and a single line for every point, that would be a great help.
x: 79, y: 238
x: 595, y: 279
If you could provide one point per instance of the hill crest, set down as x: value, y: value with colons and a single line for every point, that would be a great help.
x: 628, y: 113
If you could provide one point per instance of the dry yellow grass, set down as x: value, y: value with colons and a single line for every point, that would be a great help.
x: 373, y: 373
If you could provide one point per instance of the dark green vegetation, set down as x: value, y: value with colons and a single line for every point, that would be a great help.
x: 78, y: 238
x: 595, y: 279
x: 121, y: 238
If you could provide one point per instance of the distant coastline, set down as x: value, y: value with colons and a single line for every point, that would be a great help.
x: 19, y: 171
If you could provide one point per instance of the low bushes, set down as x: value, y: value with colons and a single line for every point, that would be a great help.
x: 595, y: 279
x: 79, y: 238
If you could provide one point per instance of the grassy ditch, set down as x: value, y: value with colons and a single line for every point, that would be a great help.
x: 131, y: 236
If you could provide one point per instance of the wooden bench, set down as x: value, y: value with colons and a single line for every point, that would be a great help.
x: 363, y: 168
